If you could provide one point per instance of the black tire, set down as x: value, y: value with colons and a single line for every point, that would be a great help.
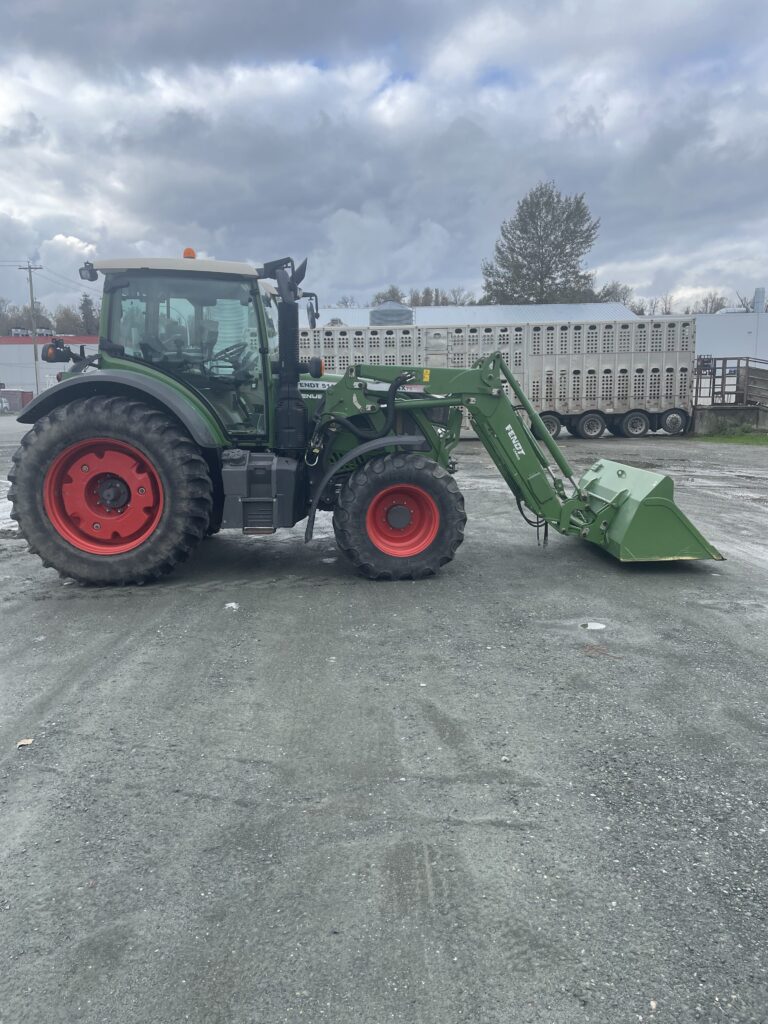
x: 590, y: 426
x: 362, y: 494
x: 184, y: 484
x: 553, y: 424
x: 635, y: 424
x: 674, y: 421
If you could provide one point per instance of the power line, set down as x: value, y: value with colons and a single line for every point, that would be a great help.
x: 67, y: 281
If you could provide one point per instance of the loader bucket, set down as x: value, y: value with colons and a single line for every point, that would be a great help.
x: 647, y: 525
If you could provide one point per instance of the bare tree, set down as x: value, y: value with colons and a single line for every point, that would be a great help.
x: 392, y: 294
x: 666, y: 304
x: 460, y: 297
x: 711, y: 303
x: 638, y: 307
x: 615, y: 291
x: 66, y: 320
x: 653, y: 306
x: 18, y: 316
x: 347, y: 302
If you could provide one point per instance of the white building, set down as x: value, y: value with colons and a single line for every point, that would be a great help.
x: 735, y: 332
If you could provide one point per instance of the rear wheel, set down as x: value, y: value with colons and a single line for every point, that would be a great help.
x: 109, y: 491
x: 399, y: 517
x: 674, y: 421
x: 635, y: 424
x: 590, y: 426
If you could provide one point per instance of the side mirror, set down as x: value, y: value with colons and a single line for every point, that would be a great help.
x: 313, y: 308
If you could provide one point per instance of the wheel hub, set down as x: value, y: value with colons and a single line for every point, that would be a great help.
x: 399, y: 516
x: 112, y: 492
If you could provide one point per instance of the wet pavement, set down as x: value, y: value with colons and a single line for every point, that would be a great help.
x: 265, y: 790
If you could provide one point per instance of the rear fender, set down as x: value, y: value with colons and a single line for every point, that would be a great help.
x: 189, y: 410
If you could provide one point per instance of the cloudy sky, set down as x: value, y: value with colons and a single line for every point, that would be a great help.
x: 385, y: 140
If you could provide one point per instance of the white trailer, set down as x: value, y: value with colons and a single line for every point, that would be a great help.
x: 627, y: 376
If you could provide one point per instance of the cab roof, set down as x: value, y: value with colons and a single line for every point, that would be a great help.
x: 228, y: 267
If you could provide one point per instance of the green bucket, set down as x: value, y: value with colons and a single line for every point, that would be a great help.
x: 643, y: 522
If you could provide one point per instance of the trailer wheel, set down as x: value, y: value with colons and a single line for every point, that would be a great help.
x: 552, y: 423
x: 109, y: 491
x: 590, y: 426
x: 674, y: 421
x: 399, y: 517
x: 635, y: 424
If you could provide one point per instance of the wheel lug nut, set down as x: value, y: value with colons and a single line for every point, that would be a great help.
x: 84, y: 468
x: 142, y: 490
x: 97, y: 526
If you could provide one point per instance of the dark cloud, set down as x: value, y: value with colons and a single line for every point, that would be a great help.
x: 173, y: 33
x: 387, y: 141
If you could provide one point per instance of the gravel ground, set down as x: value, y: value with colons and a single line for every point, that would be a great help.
x: 268, y: 791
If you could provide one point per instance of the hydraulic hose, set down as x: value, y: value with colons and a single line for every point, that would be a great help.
x: 373, y: 435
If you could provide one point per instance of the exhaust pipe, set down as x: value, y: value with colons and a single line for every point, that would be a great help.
x: 291, y: 413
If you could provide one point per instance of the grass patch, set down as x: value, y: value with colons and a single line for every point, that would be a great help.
x: 740, y: 437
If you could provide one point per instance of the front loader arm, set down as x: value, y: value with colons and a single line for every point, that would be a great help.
x: 506, y: 436
x: 628, y: 512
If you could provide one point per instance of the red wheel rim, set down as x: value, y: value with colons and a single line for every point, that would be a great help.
x: 402, y: 520
x: 103, y: 496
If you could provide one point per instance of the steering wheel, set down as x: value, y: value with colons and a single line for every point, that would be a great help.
x: 231, y: 353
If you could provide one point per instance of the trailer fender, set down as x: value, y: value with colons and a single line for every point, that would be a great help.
x: 133, y: 385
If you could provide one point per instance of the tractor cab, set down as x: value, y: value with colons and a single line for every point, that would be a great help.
x: 209, y: 323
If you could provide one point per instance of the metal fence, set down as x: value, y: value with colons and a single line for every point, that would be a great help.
x: 733, y: 380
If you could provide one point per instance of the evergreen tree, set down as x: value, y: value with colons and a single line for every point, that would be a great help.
x: 539, y: 255
x: 89, y: 314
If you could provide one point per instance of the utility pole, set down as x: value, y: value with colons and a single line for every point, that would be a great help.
x: 29, y: 268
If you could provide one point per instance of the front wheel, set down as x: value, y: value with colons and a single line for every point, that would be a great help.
x: 109, y: 491
x: 399, y: 517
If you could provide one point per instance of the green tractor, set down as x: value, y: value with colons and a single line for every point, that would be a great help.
x: 197, y: 415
